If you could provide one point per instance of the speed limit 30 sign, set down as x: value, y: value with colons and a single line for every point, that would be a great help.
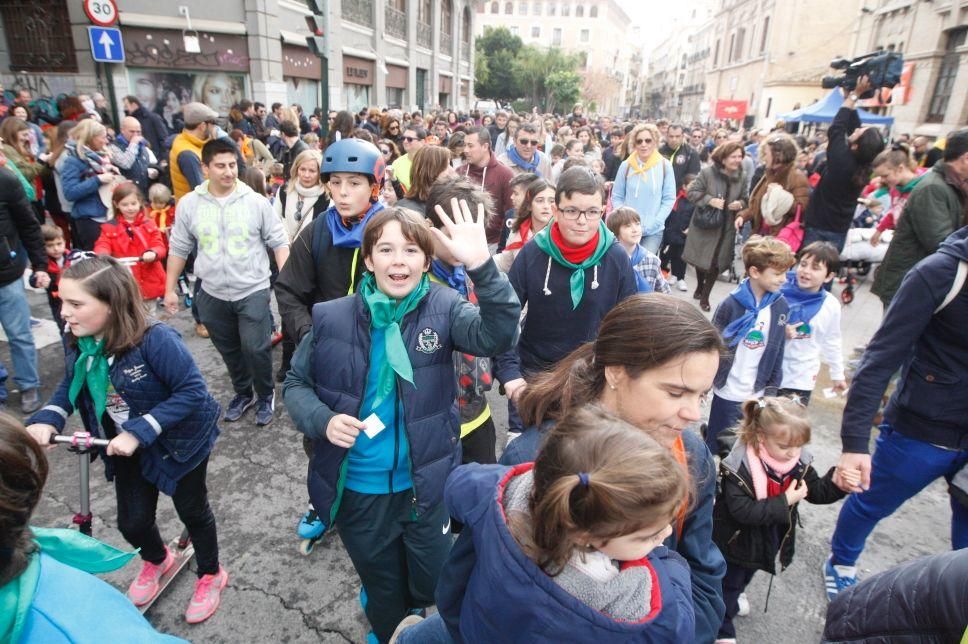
x: 103, y: 13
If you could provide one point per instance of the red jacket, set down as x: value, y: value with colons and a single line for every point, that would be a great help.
x: 494, y: 178
x: 121, y: 238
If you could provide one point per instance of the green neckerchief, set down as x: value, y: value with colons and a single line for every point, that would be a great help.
x: 387, y: 313
x: 69, y: 547
x: 96, y: 375
x: 577, y: 281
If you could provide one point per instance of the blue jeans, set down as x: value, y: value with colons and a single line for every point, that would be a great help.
x: 811, y: 235
x: 723, y: 415
x: 15, y: 319
x: 652, y: 243
x: 900, y: 468
x: 430, y: 631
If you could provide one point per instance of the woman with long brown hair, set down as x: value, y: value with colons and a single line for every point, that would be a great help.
x: 652, y: 363
x: 779, y: 155
x: 429, y: 163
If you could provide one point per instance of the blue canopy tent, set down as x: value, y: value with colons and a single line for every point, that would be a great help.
x: 824, y: 110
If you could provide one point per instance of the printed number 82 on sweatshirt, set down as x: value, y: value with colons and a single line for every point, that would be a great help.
x: 209, y: 237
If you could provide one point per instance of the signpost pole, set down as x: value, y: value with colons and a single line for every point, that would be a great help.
x: 112, y: 99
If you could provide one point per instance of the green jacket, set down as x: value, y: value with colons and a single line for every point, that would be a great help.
x: 933, y: 211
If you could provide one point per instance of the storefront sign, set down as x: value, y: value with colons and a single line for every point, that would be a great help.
x: 297, y: 62
x: 357, y: 71
x: 396, y: 76
x: 165, y: 92
x: 165, y: 49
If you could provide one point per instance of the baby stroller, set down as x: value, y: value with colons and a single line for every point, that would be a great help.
x: 859, y: 256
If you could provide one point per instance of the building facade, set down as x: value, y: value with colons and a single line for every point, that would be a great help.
x: 932, y: 99
x: 599, y: 29
x: 412, y: 54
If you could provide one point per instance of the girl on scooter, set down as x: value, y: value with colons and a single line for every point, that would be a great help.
x: 136, y: 384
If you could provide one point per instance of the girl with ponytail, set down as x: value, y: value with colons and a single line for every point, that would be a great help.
x: 568, y: 548
x: 651, y: 365
x: 765, y: 476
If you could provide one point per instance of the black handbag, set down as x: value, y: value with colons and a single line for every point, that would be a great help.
x: 708, y: 218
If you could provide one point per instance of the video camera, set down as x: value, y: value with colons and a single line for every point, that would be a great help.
x: 882, y: 67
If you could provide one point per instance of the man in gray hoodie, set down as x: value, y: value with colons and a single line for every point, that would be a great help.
x: 231, y: 226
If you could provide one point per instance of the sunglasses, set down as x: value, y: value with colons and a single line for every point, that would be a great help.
x: 531, y: 142
x: 394, y: 126
x: 409, y: 139
x: 384, y: 151
x: 642, y: 141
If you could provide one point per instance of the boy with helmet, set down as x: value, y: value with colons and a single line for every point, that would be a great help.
x: 324, y: 261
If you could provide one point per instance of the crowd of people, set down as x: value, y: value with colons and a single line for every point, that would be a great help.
x: 429, y: 255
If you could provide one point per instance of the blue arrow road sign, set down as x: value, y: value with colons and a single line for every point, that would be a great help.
x: 106, y: 45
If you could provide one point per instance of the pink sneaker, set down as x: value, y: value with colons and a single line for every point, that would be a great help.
x: 208, y: 593
x: 145, y: 586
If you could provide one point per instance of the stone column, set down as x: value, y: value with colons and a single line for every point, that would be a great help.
x: 265, y: 51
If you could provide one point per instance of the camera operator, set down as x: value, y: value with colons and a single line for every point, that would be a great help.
x: 850, y: 150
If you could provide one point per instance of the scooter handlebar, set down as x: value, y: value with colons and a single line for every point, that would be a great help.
x: 80, y: 439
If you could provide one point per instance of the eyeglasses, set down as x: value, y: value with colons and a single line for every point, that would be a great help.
x: 643, y: 141
x: 409, y: 139
x: 528, y: 142
x: 572, y: 214
x: 384, y: 151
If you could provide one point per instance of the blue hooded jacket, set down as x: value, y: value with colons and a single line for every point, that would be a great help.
x: 490, y: 591
x: 706, y: 564
x: 932, y: 351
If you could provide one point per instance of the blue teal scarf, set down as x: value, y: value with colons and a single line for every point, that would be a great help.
x: 454, y: 277
x: 530, y: 166
x: 352, y: 237
x: 738, y: 328
x: 804, y: 305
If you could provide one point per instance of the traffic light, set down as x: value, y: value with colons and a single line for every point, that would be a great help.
x: 318, y: 24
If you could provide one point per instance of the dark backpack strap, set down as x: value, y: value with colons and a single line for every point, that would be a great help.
x: 281, y: 195
x: 317, y: 249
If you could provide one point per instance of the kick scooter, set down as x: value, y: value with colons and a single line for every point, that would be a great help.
x: 84, y: 445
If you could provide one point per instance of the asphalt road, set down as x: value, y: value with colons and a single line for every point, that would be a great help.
x: 257, y: 486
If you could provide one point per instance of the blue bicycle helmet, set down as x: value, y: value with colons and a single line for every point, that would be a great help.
x: 354, y: 155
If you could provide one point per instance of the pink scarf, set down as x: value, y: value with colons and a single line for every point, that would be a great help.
x: 758, y: 472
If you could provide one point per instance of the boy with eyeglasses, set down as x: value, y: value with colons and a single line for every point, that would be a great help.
x: 571, y: 271
x: 524, y: 155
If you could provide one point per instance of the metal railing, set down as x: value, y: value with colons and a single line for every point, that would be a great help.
x: 396, y: 23
x: 424, y: 34
x: 446, y: 44
x: 360, y: 12
x: 465, y: 51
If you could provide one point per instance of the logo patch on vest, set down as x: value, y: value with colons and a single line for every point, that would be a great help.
x: 428, y: 341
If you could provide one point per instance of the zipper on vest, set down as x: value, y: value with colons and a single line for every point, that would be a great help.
x: 396, y: 438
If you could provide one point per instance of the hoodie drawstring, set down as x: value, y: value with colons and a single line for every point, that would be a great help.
x: 547, y: 291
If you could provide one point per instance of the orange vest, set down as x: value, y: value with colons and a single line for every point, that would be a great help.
x: 182, y: 142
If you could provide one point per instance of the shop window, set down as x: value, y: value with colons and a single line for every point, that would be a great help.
x: 39, y: 35
x: 357, y: 97
x: 395, y: 97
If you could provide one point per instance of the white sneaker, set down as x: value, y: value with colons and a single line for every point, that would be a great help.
x: 671, y: 279
x: 744, y: 605
x: 511, y: 437
x: 681, y: 284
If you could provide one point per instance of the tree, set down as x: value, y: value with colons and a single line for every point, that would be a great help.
x: 495, y: 58
x: 535, y: 65
x: 564, y: 90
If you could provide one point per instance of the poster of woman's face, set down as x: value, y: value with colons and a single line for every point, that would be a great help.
x: 165, y: 92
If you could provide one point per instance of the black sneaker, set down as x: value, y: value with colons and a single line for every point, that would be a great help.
x: 265, y: 410
x: 30, y: 401
x: 239, y: 405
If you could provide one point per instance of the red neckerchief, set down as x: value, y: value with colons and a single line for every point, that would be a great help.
x: 679, y: 197
x: 574, y: 254
x: 525, y: 231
